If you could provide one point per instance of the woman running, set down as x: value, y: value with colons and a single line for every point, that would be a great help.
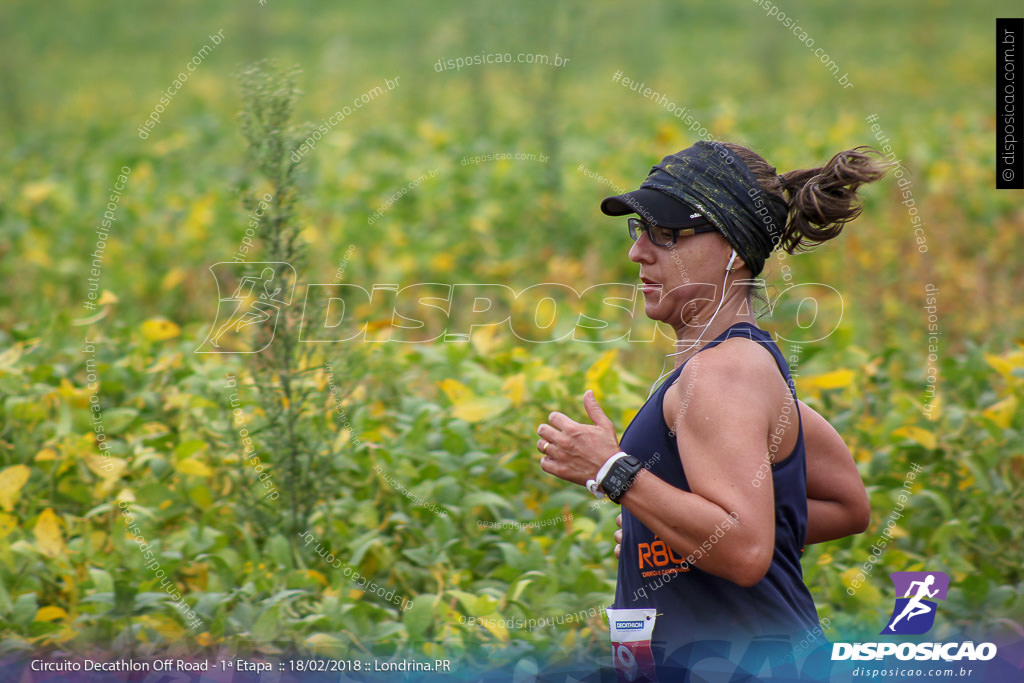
x: 723, y: 475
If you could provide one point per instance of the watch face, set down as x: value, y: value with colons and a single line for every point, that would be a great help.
x: 620, y: 477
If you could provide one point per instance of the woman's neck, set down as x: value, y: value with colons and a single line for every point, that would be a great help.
x: 704, y: 325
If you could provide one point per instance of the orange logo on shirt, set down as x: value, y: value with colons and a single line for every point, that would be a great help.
x: 658, y: 554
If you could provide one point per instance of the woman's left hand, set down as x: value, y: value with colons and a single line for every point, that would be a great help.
x: 574, y: 451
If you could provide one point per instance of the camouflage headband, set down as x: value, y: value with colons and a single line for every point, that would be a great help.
x: 709, y: 177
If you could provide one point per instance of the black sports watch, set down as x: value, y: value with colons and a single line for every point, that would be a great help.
x: 620, y: 477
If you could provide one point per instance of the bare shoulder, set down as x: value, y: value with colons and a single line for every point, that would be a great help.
x: 721, y: 368
x: 713, y: 379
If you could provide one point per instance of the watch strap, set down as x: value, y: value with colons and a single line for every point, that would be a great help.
x: 593, y: 485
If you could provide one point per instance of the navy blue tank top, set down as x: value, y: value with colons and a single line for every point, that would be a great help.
x: 693, y: 605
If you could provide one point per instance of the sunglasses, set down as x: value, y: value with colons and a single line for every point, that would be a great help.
x: 660, y: 236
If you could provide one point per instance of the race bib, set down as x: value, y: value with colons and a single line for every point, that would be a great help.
x: 631, y: 631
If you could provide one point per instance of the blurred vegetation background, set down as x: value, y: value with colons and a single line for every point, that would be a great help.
x: 452, y: 425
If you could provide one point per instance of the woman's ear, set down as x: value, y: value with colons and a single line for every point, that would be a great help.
x: 735, y: 262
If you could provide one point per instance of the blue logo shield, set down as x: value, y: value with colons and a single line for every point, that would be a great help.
x: 914, y: 612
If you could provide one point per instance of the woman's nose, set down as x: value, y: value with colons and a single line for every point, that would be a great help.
x: 640, y: 251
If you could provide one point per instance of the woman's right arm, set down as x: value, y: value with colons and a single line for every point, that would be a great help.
x: 837, y: 504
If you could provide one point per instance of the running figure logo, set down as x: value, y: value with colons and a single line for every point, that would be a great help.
x: 255, y: 302
x: 914, y: 613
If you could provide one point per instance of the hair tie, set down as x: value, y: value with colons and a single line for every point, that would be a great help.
x: 782, y: 181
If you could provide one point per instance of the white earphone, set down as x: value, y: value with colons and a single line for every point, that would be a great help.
x: 732, y: 259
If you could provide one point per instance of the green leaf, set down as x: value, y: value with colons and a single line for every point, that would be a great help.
x: 201, y: 496
x: 281, y: 552
x: 470, y: 603
x: 209, y: 603
x: 324, y: 645
x: 101, y: 581
x: 940, y: 501
x: 150, y: 601
x: 266, y: 627
x: 419, y: 618
x: 116, y: 420
x: 975, y: 588
x: 104, y: 598
x: 284, y: 596
x: 6, y: 606
x: 519, y: 588
x: 488, y: 499
x: 423, y: 556
x: 359, y: 547
x: 188, y: 448
x: 242, y: 615
x: 25, y: 608
x: 512, y: 555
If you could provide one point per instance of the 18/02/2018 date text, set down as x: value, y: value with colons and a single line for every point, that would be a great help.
x: 328, y: 665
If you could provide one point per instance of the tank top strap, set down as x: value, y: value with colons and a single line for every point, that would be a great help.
x: 744, y: 330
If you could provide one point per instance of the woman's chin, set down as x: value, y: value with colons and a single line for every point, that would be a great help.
x: 655, y: 312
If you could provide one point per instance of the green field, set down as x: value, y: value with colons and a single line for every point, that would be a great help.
x: 413, y: 464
